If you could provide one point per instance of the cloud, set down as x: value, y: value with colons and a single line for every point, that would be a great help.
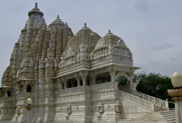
x: 173, y: 59
x: 165, y: 46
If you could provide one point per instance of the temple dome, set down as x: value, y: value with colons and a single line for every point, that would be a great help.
x: 110, y: 40
x: 57, y: 23
x: 35, y: 11
x: 84, y: 37
x: 85, y: 40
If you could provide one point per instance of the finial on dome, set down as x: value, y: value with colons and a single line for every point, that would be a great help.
x: 36, y: 6
x: 85, y: 25
x: 57, y: 16
x: 109, y: 31
x: 66, y: 24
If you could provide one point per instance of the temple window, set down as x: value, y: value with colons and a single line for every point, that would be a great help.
x: 8, y: 94
x: 28, y: 88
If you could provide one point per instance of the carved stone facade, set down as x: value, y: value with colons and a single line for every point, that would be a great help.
x: 60, y: 71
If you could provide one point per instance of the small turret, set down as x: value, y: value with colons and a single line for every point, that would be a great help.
x: 35, y: 11
x: 57, y: 23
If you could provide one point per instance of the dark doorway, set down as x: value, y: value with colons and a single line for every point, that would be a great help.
x: 8, y: 93
x: 28, y: 88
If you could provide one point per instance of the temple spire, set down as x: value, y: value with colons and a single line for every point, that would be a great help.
x: 36, y: 6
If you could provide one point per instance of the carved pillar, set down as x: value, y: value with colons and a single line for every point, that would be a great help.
x: 24, y: 87
x: 49, y: 90
x: 65, y: 85
x: 93, y: 79
x: 78, y: 81
x: 113, y: 75
x: 59, y: 83
x: 65, y: 82
x: 84, y: 80
x: 83, y: 75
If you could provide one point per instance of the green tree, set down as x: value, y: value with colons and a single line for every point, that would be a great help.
x: 122, y: 80
x: 153, y: 84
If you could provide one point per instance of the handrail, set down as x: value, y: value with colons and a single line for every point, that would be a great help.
x: 136, y: 99
x: 156, y: 101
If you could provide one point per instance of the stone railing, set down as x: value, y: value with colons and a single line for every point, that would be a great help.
x: 24, y: 94
x: 156, y: 101
x: 142, y: 102
x: 94, y: 92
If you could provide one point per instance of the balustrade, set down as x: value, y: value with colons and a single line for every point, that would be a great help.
x: 154, y: 100
x: 136, y: 99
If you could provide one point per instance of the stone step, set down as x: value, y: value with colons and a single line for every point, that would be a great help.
x: 141, y: 121
x: 155, y: 117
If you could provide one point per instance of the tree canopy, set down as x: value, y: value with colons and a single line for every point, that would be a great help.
x: 153, y: 84
x: 122, y: 80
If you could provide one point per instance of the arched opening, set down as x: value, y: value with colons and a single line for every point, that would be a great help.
x: 69, y: 85
x: 75, y: 84
x: 103, y: 78
x: 122, y: 80
x: 28, y: 88
x: 87, y: 81
x: 8, y: 93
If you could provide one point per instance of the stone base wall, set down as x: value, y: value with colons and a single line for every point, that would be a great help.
x: 100, y: 103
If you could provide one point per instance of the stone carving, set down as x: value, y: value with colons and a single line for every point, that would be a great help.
x: 69, y: 110
x: 100, y: 108
x: 118, y: 106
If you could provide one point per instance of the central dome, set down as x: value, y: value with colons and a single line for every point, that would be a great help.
x: 109, y: 40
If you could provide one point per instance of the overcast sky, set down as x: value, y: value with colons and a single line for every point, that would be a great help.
x: 152, y: 29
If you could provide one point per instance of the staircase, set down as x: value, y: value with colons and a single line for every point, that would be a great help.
x: 149, y: 102
x: 159, y: 104
x: 154, y: 117
x: 160, y: 112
